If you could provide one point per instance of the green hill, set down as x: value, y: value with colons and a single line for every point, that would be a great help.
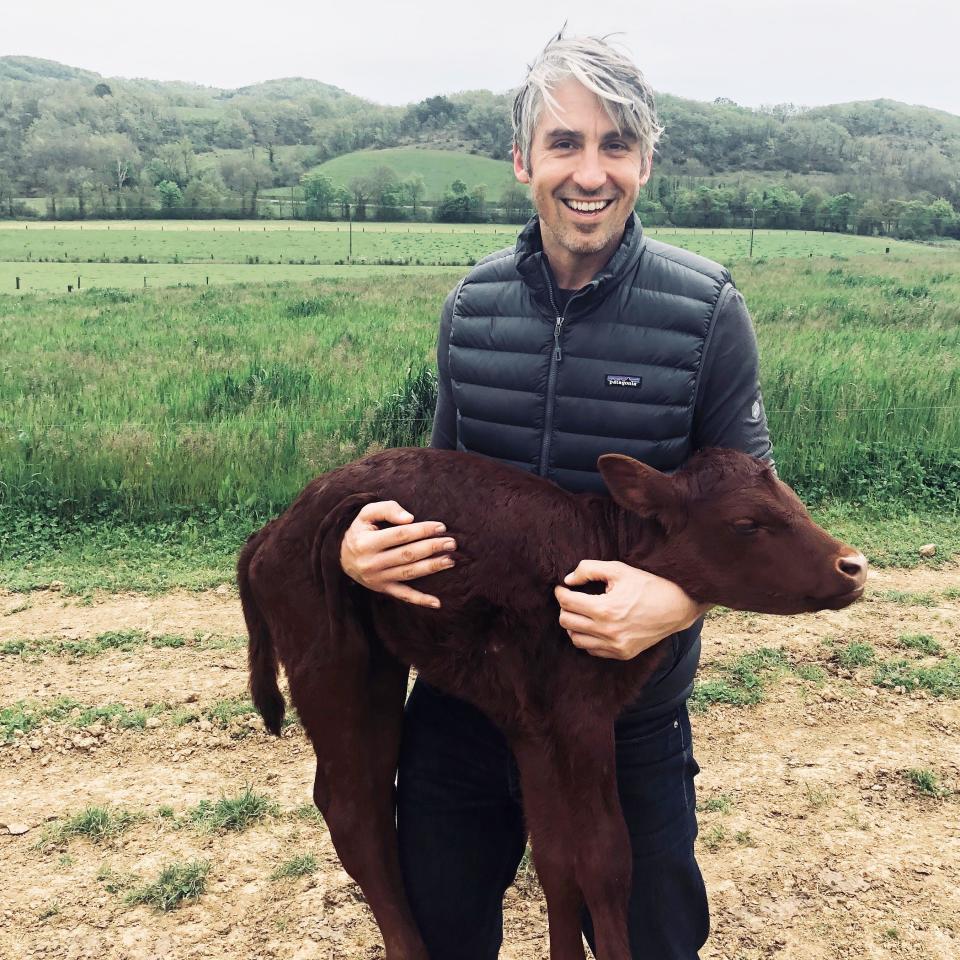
x: 439, y: 168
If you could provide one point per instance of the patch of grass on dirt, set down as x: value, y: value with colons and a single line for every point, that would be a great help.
x: 908, y: 598
x: 50, y: 910
x: 177, y: 883
x: 226, y: 710
x: 855, y: 654
x: 721, y: 803
x: 926, y: 782
x: 125, y: 640
x: 233, y: 813
x: 300, y: 866
x: 713, y: 838
x: 740, y: 682
x: 940, y: 680
x: 126, y: 719
x: 817, y: 797
x: 16, y: 720
x: 97, y: 824
x: 920, y: 641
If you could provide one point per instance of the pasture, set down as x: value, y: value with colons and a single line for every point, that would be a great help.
x: 145, y: 433
x: 49, y: 256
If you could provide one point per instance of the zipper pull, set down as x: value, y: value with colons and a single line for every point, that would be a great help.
x: 557, y: 355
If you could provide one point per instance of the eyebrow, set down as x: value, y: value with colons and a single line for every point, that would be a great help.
x: 561, y: 134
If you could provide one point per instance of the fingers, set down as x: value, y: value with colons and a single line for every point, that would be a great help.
x: 587, y: 570
x: 388, y: 511
x: 381, y: 560
x: 596, y: 647
x: 585, y: 604
x: 408, y: 594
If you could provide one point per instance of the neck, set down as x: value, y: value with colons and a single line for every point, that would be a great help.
x: 574, y: 270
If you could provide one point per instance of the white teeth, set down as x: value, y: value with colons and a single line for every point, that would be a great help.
x: 587, y: 207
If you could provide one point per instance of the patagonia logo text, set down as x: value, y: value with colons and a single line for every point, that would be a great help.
x: 619, y: 380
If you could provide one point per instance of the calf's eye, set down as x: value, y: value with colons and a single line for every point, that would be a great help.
x: 745, y: 527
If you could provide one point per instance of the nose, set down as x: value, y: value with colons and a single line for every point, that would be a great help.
x: 590, y: 175
x: 853, y: 565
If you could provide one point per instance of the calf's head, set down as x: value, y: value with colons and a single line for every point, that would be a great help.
x: 735, y: 534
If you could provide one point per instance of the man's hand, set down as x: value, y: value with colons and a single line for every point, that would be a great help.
x: 381, y: 560
x: 637, y: 610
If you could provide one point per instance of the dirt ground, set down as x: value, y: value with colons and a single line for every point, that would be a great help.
x: 814, y: 842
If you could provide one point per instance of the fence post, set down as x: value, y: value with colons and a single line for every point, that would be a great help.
x: 78, y: 283
x: 18, y: 283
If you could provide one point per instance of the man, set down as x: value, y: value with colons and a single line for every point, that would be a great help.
x: 586, y: 338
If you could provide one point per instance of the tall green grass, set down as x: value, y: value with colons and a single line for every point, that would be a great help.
x: 156, y: 405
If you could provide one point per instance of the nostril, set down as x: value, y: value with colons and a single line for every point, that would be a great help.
x: 853, y: 565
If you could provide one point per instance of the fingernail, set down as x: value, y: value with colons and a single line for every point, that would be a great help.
x: 450, y: 545
x: 440, y: 528
x: 448, y: 561
x: 435, y: 604
x: 405, y: 515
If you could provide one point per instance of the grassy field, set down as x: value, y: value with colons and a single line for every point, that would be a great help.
x: 49, y: 256
x: 172, y: 421
x: 439, y: 168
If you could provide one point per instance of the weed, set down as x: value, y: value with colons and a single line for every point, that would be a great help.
x: 177, y: 883
x: 890, y: 935
x: 741, y: 682
x: 817, y: 797
x: 721, y: 803
x: 233, y: 813
x: 714, y: 837
x: 855, y: 654
x: 926, y: 783
x: 744, y: 838
x: 50, y: 910
x: 809, y: 671
x: 908, y: 598
x: 97, y: 824
x: 920, y: 641
x: 226, y: 710
x: 941, y: 680
x: 300, y: 866
x: 16, y: 720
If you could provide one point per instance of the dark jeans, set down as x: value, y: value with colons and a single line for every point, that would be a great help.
x: 461, y: 829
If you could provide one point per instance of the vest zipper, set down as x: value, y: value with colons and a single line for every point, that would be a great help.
x: 555, y: 360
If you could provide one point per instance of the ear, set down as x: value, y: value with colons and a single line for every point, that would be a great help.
x: 519, y: 169
x: 647, y: 169
x: 639, y: 488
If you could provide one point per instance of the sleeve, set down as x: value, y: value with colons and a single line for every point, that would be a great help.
x: 729, y: 407
x: 444, y: 436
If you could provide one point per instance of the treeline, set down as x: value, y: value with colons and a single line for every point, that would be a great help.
x: 666, y: 202
x: 86, y: 146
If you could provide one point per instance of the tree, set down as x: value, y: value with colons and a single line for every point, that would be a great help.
x: 319, y: 192
x: 362, y: 189
x: 170, y: 196
x: 838, y: 211
x: 414, y: 187
x: 515, y: 203
x: 478, y: 202
x: 458, y: 188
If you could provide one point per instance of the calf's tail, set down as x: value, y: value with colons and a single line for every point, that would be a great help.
x: 261, y: 656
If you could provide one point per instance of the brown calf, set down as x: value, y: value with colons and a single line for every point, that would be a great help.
x: 724, y: 528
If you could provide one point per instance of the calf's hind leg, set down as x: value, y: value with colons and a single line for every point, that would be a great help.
x: 356, y: 737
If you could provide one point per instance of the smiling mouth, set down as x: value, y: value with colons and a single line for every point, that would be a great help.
x: 586, y: 208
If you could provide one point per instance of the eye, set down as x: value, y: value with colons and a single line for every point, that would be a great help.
x: 616, y: 146
x: 745, y: 527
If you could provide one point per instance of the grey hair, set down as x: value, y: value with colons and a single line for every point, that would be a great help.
x: 605, y: 71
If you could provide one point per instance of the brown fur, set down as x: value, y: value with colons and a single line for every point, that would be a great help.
x: 496, y: 642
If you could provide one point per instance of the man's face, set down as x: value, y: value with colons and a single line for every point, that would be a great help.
x: 585, y: 176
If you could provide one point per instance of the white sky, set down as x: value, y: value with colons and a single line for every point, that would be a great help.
x: 753, y: 51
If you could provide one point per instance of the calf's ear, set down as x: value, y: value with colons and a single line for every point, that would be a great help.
x: 639, y: 488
